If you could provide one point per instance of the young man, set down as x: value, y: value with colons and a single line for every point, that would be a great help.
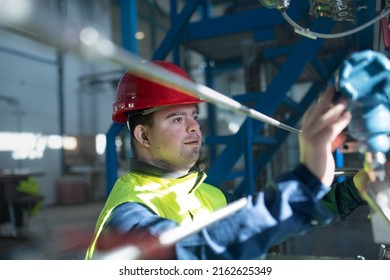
x: 164, y: 189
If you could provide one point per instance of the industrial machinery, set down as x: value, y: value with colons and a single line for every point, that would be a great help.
x: 364, y: 81
x: 337, y: 10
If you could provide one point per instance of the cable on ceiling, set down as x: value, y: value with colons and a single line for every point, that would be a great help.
x: 314, y: 35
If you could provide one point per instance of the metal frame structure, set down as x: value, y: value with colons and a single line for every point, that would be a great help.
x: 260, y: 24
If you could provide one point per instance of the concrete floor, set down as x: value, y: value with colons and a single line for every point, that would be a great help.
x: 58, y: 232
x: 63, y: 232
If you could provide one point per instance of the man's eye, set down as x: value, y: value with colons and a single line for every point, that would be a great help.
x: 178, y: 119
x: 196, y: 117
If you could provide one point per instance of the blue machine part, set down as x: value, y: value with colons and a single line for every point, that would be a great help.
x: 364, y: 80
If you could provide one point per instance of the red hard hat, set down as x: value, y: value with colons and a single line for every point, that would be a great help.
x: 136, y: 93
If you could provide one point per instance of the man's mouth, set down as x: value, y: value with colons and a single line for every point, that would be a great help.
x: 192, y: 142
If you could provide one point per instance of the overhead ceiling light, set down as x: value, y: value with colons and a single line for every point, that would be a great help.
x: 139, y: 35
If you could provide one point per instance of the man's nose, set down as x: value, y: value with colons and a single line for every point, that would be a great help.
x: 193, y: 125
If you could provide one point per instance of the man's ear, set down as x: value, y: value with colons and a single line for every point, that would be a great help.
x: 141, y: 135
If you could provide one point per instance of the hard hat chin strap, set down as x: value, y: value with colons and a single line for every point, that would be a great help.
x: 151, y: 110
x: 145, y: 112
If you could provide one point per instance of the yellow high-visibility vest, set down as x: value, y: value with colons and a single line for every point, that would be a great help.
x: 179, y: 199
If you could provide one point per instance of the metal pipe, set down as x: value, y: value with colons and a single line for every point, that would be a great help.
x: 90, y: 44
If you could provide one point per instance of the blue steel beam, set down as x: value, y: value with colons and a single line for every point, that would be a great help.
x: 308, y: 99
x: 249, y: 20
x: 276, y: 92
x: 263, y: 34
x: 318, y: 66
x: 175, y: 47
x: 181, y: 21
x: 254, y: 97
x: 261, y: 161
x: 210, y: 109
x: 273, y: 52
x: 331, y: 65
x: 248, y: 156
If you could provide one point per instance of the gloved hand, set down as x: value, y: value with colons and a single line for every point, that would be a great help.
x: 321, y: 126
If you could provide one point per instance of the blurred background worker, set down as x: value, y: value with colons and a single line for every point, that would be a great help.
x: 164, y: 188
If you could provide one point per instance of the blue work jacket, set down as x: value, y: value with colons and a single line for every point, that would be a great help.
x: 295, y: 204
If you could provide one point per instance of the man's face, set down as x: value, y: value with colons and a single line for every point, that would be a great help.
x: 175, y: 137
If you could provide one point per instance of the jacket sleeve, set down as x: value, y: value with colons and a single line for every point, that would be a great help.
x: 342, y: 199
x: 290, y: 208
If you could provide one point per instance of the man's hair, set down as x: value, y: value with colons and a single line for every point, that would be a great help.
x: 135, y: 118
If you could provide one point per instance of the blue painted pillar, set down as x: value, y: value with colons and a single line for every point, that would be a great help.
x: 128, y: 9
x: 175, y: 48
x: 211, y: 112
x: 248, y: 153
x: 205, y: 12
x: 181, y: 22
